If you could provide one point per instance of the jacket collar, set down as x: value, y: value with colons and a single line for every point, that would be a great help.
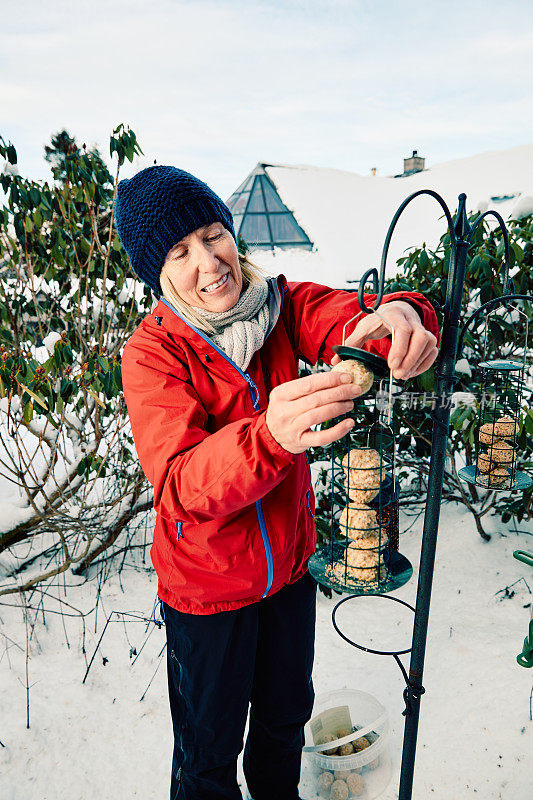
x: 165, y: 317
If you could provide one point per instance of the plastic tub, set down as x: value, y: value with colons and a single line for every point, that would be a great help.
x: 364, y: 723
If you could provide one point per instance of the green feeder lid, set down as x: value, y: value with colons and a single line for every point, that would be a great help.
x: 502, y: 364
x: 377, y: 364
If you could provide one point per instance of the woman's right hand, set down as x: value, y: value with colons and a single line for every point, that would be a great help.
x: 296, y: 405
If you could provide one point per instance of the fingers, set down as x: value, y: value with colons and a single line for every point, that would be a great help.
x: 323, y: 397
x: 426, y: 363
x: 370, y: 327
x: 400, y: 346
x: 324, y: 413
x: 322, y: 438
x: 406, y: 356
x: 420, y: 344
x: 300, y: 387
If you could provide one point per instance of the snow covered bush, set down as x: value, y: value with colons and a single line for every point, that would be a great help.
x: 68, y: 303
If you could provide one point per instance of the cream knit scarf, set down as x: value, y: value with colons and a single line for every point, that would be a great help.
x: 241, y: 330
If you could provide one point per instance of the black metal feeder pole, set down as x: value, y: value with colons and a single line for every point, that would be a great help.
x: 445, y: 374
x: 461, y: 234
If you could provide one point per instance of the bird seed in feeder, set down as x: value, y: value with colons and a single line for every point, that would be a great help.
x: 361, y: 496
x: 498, y: 477
x: 372, y: 542
x: 361, y: 458
x: 323, y: 784
x: 361, y: 558
x: 505, y: 427
x: 339, y: 790
x: 486, y: 434
x: 367, y: 575
x: 501, y: 452
x: 359, y: 373
x: 354, y: 521
x: 484, y: 464
x: 364, y: 479
x: 356, y: 784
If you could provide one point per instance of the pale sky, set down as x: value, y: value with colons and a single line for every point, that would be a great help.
x: 217, y: 85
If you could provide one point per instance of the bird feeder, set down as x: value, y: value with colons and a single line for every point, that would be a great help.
x: 500, y: 403
x: 361, y: 555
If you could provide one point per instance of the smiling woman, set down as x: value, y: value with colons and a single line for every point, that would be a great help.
x: 221, y: 422
x: 206, y: 272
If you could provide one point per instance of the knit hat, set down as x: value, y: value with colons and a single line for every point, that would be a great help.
x: 155, y: 209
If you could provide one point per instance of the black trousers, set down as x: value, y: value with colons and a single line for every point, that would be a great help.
x: 219, y: 664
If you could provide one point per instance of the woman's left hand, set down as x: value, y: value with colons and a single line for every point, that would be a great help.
x: 414, y: 348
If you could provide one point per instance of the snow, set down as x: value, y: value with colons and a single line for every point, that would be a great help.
x: 463, y: 399
x: 463, y: 367
x: 347, y: 215
x: 50, y: 341
x: 99, y: 739
x: 524, y: 207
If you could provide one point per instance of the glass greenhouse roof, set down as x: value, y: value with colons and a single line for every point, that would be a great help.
x: 260, y: 216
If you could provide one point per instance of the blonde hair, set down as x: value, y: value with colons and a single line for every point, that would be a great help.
x: 251, y: 273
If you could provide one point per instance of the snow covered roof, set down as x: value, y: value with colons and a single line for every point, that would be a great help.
x: 346, y: 216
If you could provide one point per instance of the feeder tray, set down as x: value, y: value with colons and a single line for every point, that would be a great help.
x: 377, y: 364
x: 399, y: 571
x: 521, y: 481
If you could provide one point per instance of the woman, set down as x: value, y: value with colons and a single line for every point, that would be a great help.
x: 221, y: 423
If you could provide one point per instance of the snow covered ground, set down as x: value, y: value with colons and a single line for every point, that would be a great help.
x: 101, y: 740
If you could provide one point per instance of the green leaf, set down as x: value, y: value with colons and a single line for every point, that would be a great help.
x: 57, y: 255
x: 423, y: 260
x: 118, y: 376
x: 427, y: 379
x: 35, y: 396
x: 28, y: 412
x: 66, y: 389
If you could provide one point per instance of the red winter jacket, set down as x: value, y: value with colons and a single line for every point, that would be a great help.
x: 234, y: 508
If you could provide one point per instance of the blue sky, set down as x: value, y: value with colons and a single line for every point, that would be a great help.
x: 217, y: 85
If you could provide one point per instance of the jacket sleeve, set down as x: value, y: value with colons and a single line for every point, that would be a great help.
x: 196, y: 475
x: 318, y: 315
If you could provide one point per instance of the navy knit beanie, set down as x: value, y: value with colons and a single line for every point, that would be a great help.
x: 155, y: 209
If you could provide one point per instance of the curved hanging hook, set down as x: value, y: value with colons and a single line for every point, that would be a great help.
x: 379, y: 282
x: 501, y: 225
x: 490, y: 304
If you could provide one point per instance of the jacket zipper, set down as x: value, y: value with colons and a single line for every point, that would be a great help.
x: 255, y: 402
x: 309, y: 490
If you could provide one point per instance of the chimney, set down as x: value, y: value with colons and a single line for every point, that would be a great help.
x: 413, y: 164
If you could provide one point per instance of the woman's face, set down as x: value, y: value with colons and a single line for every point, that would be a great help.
x: 204, y: 268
